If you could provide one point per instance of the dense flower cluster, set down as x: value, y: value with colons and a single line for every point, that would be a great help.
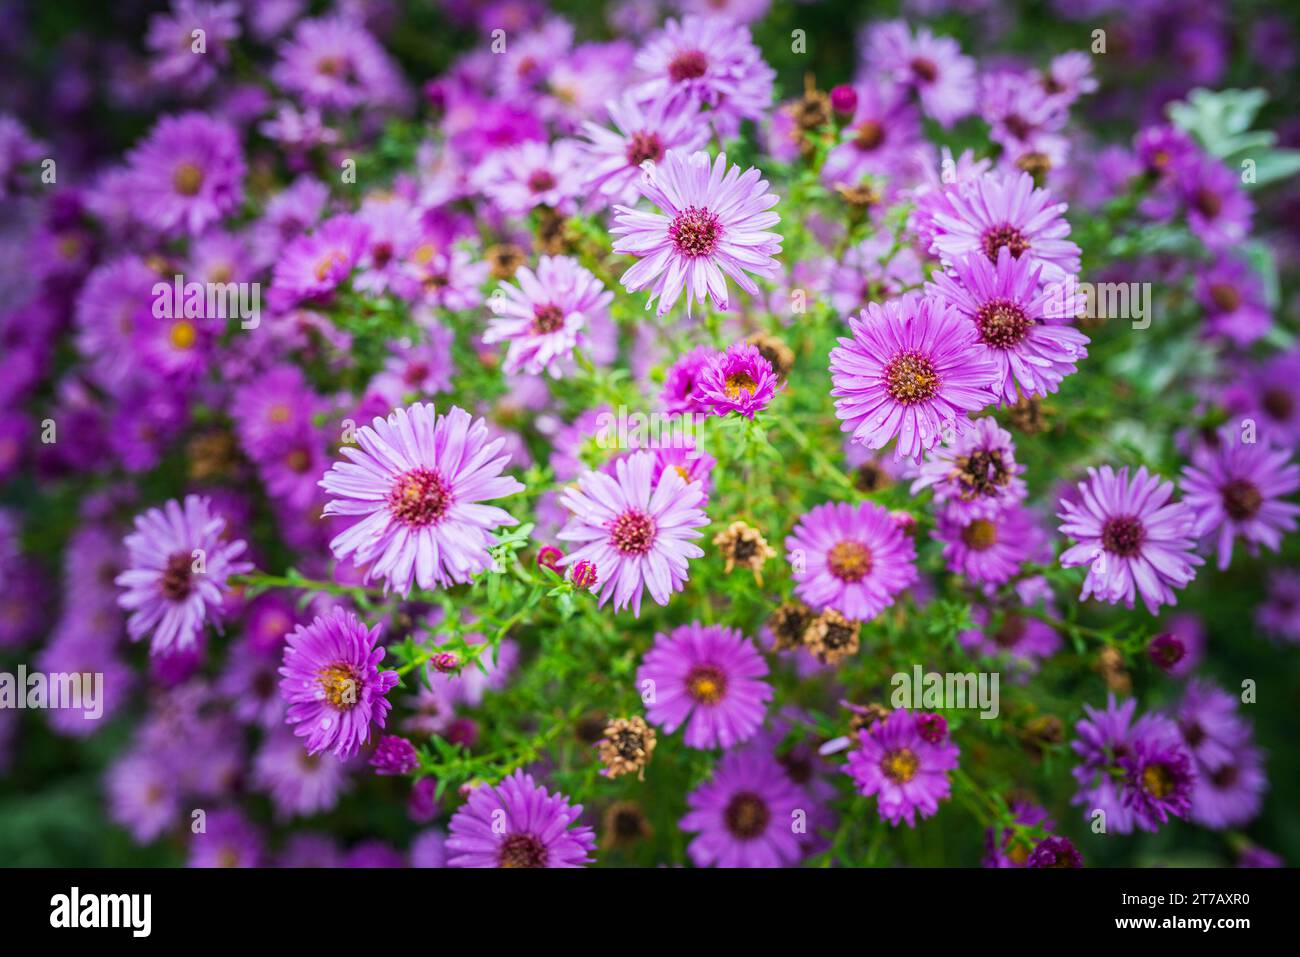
x: 627, y: 437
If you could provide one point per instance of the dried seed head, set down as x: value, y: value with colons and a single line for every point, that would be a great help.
x: 832, y: 637
x: 627, y: 746
x: 743, y: 545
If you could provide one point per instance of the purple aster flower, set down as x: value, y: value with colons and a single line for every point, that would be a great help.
x: 374, y: 854
x: 1160, y: 772
x: 1279, y: 613
x: 333, y: 684
x: 413, y: 487
x: 1236, y: 489
x: 250, y: 681
x: 1006, y: 847
x: 708, y: 63
x: 520, y: 178
x: 911, y: 371
x: 1006, y: 211
x: 707, y: 677
x: 171, y: 39
x: 1232, y: 295
x: 1179, y: 649
x: 332, y: 62
x: 640, y: 134
x: 273, y: 410
x: 1209, y: 723
x: 934, y: 67
x: 175, y: 581
x: 421, y: 369
x: 906, y: 772
x: 1018, y: 323
x: 738, y: 380
x: 422, y: 804
x: 546, y: 317
x: 1230, y: 794
x: 1011, y: 634
x: 299, y: 784
x: 1163, y: 148
x: 1131, y: 537
x: 227, y: 840
x: 743, y: 815
x: 1024, y: 119
x: 880, y: 139
x: 312, y: 266
x: 187, y: 174
x: 1069, y: 76
x: 679, y: 394
x: 639, y: 533
x: 1055, y: 852
x: 1268, y: 396
x: 1217, y: 208
x: 872, y: 271
x: 853, y: 558
x: 715, y: 221
x: 1104, y: 738
x: 518, y: 823
x: 394, y: 755
x: 143, y: 796
x: 429, y: 849
x: 975, y: 477
x: 989, y: 550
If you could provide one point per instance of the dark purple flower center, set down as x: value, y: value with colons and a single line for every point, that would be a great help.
x: 981, y: 474
x: 1018, y: 126
x: 900, y: 765
x: 1225, y: 777
x: 522, y: 850
x: 177, y: 577
x: 1011, y: 631
x: 1192, y: 731
x: 416, y: 372
x: 1279, y: 403
x: 633, y: 532
x: 1207, y: 202
x: 1123, y: 536
x: 1242, y: 499
x: 980, y: 535
x: 1002, y: 323
x: 340, y: 685
x: 419, y: 497
x: 995, y: 237
x: 1225, y: 297
x: 849, y: 561
x: 798, y: 766
x: 1166, y: 650
x: 188, y: 178
x: 688, y: 65
x: 706, y: 684
x: 540, y: 180
x: 644, y: 145
x: 547, y: 318
x: 911, y: 378
x: 924, y: 69
x: 695, y: 231
x: 298, y: 460
x: 869, y: 135
x: 747, y: 815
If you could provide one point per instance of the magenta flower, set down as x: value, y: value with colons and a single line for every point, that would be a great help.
x: 333, y: 63
x: 880, y: 139
x: 906, y: 772
x: 989, y: 550
x: 912, y: 371
x: 413, y: 487
x: 547, y: 315
x: 1131, y: 536
x: 707, y: 677
x: 331, y: 679
x: 975, y: 477
x: 638, y: 532
x: 171, y: 38
x: 394, y: 755
x: 178, y: 562
x: 679, y: 393
x: 934, y: 67
x: 518, y: 823
x: 1054, y: 852
x: 1018, y: 323
x: 742, y: 815
x: 853, y: 558
x: 640, y: 134
x: 532, y: 174
x: 738, y: 380
x: 714, y: 222
x: 228, y: 840
x: 1236, y: 489
x: 187, y: 174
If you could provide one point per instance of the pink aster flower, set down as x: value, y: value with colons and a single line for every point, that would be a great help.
x: 413, y: 487
x: 547, y: 315
x: 1131, y: 536
x: 532, y: 174
x: 171, y: 38
x: 679, y: 393
x: 934, y: 67
x: 881, y: 138
x: 738, y: 380
x: 853, y: 558
x: 903, y: 767
x: 707, y: 677
x: 640, y: 134
x: 518, y: 823
x: 638, y: 532
x: 912, y: 371
x: 1006, y: 210
x: 1017, y: 322
x: 333, y: 63
x: 1236, y: 489
x: 742, y: 815
x: 714, y: 221
x: 178, y: 562
x: 187, y: 174
x: 977, y: 476
x: 331, y: 680
x: 312, y: 266
x: 988, y: 550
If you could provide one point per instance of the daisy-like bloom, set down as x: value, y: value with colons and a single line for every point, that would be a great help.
x: 1236, y: 489
x: 1232, y: 295
x: 1217, y: 208
x: 738, y: 380
x: 1268, y: 395
x: 637, y: 531
x: 187, y: 173
x: 1210, y: 726
x: 413, y: 486
x: 227, y: 840
x: 872, y: 271
x: 298, y: 783
x: 902, y: 767
x: 143, y: 796
x: 706, y: 63
x: 1160, y: 772
x: 423, y: 369
x: 1069, y: 76
x: 912, y: 370
x: 741, y: 816
x: 1132, y: 537
x: 331, y: 679
x: 1055, y: 852
x: 1230, y: 795
x: 178, y: 561
x: 532, y: 174
x: 934, y: 67
x: 707, y: 677
x: 988, y: 550
x: 853, y: 558
x: 1103, y: 738
x: 975, y: 477
x: 171, y: 38
x: 312, y: 266
x: 546, y: 316
x: 1024, y: 119
x: 1279, y: 613
x: 1018, y: 323
x: 333, y: 63
x: 880, y: 139
x: 715, y: 221
x: 641, y: 134
x: 1006, y: 211
x: 518, y: 823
